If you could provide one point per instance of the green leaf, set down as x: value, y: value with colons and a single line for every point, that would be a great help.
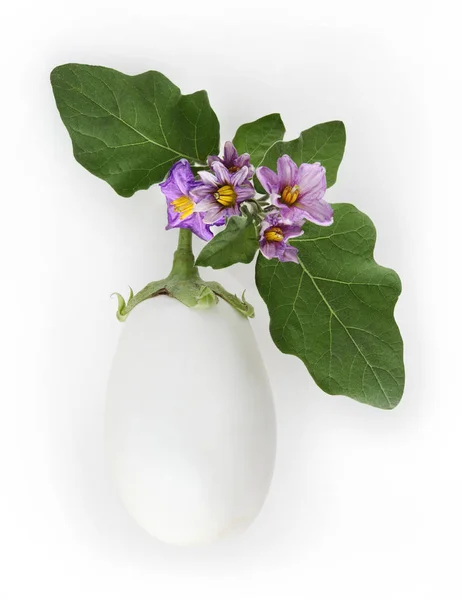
x: 129, y: 130
x: 324, y: 143
x: 238, y: 242
x: 334, y: 310
x: 257, y: 137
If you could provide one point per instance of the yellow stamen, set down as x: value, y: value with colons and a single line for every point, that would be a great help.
x: 225, y: 195
x: 184, y: 206
x: 290, y: 194
x: 274, y: 234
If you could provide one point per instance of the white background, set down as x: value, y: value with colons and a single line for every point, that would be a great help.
x: 365, y: 504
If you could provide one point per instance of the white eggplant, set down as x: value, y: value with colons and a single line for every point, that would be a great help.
x: 190, y: 423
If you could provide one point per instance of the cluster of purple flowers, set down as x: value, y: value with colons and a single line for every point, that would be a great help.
x: 296, y: 194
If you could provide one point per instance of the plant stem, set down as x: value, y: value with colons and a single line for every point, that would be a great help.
x: 183, y: 259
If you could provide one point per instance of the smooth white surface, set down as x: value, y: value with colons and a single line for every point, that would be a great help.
x: 364, y: 504
x: 191, y: 455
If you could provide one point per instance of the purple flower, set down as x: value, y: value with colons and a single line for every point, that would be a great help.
x: 274, y: 233
x: 298, y: 191
x: 233, y: 161
x: 177, y: 188
x: 221, y: 192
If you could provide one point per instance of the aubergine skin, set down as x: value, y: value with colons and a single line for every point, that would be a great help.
x: 190, y: 422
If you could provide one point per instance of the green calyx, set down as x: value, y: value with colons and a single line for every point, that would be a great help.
x: 185, y: 284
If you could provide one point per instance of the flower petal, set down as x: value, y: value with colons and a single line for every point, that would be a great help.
x: 197, y: 225
x: 206, y: 204
x: 268, y: 249
x: 211, y: 159
x: 208, y: 178
x: 173, y: 218
x: 293, y: 214
x: 243, y: 160
x: 220, y: 221
x: 230, y: 154
x: 233, y: 210
x: 312, y: 181
x: 317, y: 211
x: 244, y: 192
x: 183, y: 176
x: 179, y: 180
x: 240, y: 176
x: 291, y: 231
x: 201, y: 192
x: 277, y: 201
x: 269, y: 180
x: 213, y: 214
x: 289, y: 254
x: 287, y: 171
x: 222, y: 174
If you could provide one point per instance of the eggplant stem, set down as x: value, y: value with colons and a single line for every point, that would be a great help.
x: 185, y: 284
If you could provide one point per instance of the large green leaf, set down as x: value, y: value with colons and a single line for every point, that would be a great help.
x: 334, y: 310
x: 257, y: 137
x: 129, y: 130
x: 324, y: 143
x: 238, y: 242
